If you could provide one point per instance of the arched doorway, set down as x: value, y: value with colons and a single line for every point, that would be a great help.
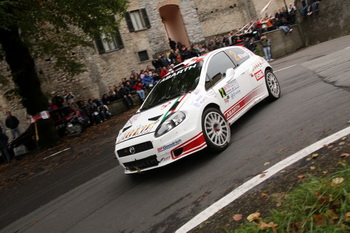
x: 173, y: 23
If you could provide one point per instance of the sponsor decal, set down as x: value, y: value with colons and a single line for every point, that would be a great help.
x: 257, y: 65
x: 232, y: 111
x: 179, y: 72
x: 166, y: 147
x: 135, y: 117
x: 230, y: 90
x: 235, y: 93
x: 192, y: 145
x: 138, y: 131
x: 199, y: 101
x: 259, y: 75
x: 165, y: 105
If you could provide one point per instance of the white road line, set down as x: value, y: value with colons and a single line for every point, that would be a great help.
x: 211, y: 210
x: 59, y: 152
x: 285, y: 68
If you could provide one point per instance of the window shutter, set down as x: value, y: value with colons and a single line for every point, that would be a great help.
x: 118, y: 39
x: 99, y: 45
x: 145, y: 18
x: 128, y: 22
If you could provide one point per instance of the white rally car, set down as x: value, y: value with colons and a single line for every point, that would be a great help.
x: 193, y: 107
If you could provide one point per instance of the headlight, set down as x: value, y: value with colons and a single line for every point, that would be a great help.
x: 169, y: 123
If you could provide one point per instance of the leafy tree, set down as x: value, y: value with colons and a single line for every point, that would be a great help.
x: 31, y: 29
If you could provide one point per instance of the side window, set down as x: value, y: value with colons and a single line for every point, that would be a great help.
x: 237, y: 55
x: 137, y: 20
x: 107, y: 43
x: 217, y: 69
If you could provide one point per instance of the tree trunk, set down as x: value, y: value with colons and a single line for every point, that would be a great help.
x: 27, y: 82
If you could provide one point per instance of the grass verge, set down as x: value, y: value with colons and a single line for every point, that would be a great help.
x: 316, y: 205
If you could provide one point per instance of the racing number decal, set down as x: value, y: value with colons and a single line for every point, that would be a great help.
x: 234, y: 55
x: 222, y: 92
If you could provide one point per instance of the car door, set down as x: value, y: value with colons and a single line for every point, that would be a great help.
x: 230, y: 86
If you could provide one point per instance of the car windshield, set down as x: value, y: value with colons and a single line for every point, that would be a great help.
x: 173, y: 85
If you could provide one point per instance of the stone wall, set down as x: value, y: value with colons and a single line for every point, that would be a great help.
x: 331, y: 22
x: 285, y: 44
x: 202, y: 19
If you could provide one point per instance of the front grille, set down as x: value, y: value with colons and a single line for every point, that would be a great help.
x: 142, y: 163
x: 135, y: 149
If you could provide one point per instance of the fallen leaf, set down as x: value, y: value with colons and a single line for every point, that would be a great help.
x: 318, y: 219
x: 279, y: 204
x: 237, y: 217
x: 312, y: 168
x: 262, y: 175
x: 344, y: 138
x: 262, y: 195
x: 337, y: 180
x: 325, y: 172
x: 283, y: 171
x: 314, y: 156
x: 308, y: 159
x: 267, y: 163
x: 254, y: 217
x: 344, y: 155
x: 347, y: 217
x: 332, y: 214
x: 301, y: 176
x: 330, y: 147
x: 265, y: 226
x: 341, y: 143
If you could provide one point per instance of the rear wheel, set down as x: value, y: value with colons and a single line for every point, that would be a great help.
x: 273, y: 85
x: 74, y: 129
x: 216, y: 129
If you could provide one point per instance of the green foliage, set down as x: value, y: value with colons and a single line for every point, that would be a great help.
x: 258, y: 51
x: 318, y: 205
x: 55, y: 28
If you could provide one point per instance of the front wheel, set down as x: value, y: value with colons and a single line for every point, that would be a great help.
x: 273, y: 85
x: 216, y: 129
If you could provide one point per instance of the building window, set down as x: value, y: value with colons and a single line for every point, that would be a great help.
x: 143, y: 55
x: 137, y: 20
x: 107, y: 43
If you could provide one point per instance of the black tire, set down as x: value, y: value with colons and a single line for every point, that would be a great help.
x: 76, y: 129
x: 273, y: 86
x: 216, y: 130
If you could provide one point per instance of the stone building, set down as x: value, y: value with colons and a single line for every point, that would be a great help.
x: 144, y: 32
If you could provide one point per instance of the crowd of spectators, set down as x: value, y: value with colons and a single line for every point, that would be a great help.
x: 142, y: 82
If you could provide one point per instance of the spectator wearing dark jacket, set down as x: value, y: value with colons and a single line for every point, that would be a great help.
x: 126, y: 95
x: 12, y: 123
x: 3, y: 146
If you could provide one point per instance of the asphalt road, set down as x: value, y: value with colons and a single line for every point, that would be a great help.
x: 315, y: 103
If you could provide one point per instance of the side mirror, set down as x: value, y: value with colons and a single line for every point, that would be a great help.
x: 230, y: 72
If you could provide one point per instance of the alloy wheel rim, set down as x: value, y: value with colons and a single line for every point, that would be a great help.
x: 273, y: 84
x: 216, y: 128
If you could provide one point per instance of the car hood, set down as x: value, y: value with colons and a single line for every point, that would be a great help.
x: 147, y: 121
